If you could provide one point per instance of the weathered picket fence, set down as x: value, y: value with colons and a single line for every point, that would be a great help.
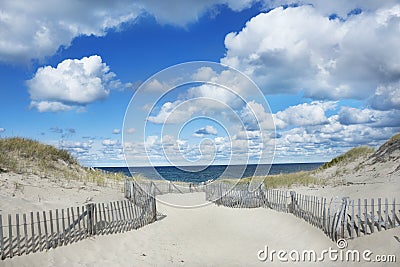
x: 338, y: 218
x: 37, y: 231
x: 162, y: 187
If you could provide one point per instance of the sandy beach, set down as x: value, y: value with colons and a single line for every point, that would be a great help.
x: 207, y: 236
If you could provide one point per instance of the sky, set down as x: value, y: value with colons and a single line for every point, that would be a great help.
x: 292, y: 81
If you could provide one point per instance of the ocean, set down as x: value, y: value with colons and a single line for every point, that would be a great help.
x: 197, y: 174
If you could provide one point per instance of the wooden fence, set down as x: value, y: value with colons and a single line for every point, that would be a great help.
x: 38, y: 231
x: 161, y: 187
x: 338, y: 218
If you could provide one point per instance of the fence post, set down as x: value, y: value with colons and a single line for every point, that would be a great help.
x: 33, y: 233
x: 372, y: 215
x: 10, y: 236
x: 18, y: 234
x: 324, y: 214
x: 154, y: 206
x: 394, y: 213
x: 346, y: 203
x: 365, y: 216
x: 352, y: 220
x: 1, y: 239
x: 292, y: 206
x: 379, y: 214
x: 89, y: 219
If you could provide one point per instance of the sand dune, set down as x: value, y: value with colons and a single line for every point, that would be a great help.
x: 206, y: 236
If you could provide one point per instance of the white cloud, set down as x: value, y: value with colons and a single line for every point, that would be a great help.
x: 47, y: 106
x: 152, y: 140
x: 340, y: 7
x: 208, y: 130
x: 229, y: 86
x: 386, y: 97
x: 304, y: 114
x: 78, y: 149
x: 299, y: 49
x: 370, y: 117
x: 2, y: 130
x: 116, y: 131
x: 182, y: 12
x: 156, y: 86
x: 256, y: 118
x: 110, y: 143
x: 169, y: 113
x: 74, y: 82
x: 36, y: 30
x: 130, y: 131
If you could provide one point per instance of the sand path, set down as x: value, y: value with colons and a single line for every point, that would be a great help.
x: 206, y: 236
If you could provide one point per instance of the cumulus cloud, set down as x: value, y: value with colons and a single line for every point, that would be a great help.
x: 34, y: 31
x: 208, y: 130
x: 256, y: 118
x: 73, y: 83
x: 342, y: 8
x: 322, y: 143
x: 182, y: 12
x: 116, y: 131
x: 180, y: 111
x: 53, y: 106
x: 325, y: 58
x: 38, y: 30
x: 169, y: 113
x: 386, y: 97
x: 130, y: 131
x: 373, y: 118
x: 77, y: 148
x: 110, y: 142
x: 304, y: 114
x: 112, y: 149
x: 156, y: 86
x: 2, y: 130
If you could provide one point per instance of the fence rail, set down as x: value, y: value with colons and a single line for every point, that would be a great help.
x: 338, y: 218
x: 161, y: 187
x: 37, y: 231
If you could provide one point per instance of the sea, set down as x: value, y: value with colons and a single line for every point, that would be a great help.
x: 198, y: 174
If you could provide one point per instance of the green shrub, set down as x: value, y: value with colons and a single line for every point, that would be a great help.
x: 352, y: 154
x: 302, y: 178
x: 394, y: 137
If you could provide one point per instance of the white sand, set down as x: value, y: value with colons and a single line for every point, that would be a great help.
x: 206, y: 236
x: 21, y: 193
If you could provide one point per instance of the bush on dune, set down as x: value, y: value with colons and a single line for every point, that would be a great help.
x: 27, y: 156
x: 350, y: 155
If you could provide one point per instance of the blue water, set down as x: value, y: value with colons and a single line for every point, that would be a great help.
x: 195, y: 175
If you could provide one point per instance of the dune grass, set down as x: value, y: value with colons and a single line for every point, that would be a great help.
x: 283, y: 180
x: 27, y: 156
x: 26, y: 148
x: 394, y: 137
x: 350, y: 155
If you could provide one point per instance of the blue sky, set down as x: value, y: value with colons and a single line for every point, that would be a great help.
x: 328, y: 70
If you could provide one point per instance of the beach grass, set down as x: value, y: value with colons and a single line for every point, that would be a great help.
x: 283, y: 180
x: 26, y: 148
x: 26, y: 156
x: 350, y: 155
x: 394, y: 137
